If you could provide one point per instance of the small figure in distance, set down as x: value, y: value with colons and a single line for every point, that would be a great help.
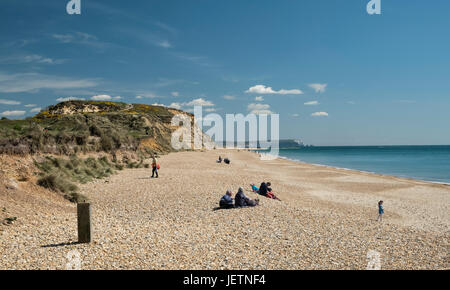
x: 380, y: 211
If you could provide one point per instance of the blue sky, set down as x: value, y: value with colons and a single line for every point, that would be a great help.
x: 335, y: 74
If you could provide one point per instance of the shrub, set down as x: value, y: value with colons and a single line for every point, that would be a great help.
x: 57, y: 183
x: 107, y: 143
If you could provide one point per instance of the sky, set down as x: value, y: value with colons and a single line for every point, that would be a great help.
x: 335, y: 74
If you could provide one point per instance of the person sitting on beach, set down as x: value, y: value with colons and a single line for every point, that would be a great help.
x: 255, y: 189
x: 243, y: 201
x: 263, y: 189
x: 227, y: 161
x: 226, y: 201
x: 380, y: 211
x: 220, y: 159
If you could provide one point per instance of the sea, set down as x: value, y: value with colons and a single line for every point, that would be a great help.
x: 429, y: 163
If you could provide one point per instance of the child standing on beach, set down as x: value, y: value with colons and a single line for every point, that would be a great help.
x: 380, y: 211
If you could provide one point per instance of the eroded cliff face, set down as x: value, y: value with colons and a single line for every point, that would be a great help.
x: 90, y: 126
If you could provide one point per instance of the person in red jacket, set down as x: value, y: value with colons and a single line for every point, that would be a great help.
x: 155, y: 166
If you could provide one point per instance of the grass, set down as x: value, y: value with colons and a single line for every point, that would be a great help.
x: 62, y: 174
x: 116, y: 126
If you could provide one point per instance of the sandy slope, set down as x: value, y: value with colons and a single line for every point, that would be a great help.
x: 326, y: 220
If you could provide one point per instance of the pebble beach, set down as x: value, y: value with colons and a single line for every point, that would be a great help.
x: 326, y: 219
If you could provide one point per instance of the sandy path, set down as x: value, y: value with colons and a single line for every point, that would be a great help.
x: 325, y: 221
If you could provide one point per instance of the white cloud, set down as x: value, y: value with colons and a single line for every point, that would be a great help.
x: 105, y: 98
x: 256, y: 108
x: 227, y: 97
x: 259, y: 99
x: 166, y: 27
x: 69, y: 99
x: 31, y: 58
x: 318, y: 88
x: 199, y: 102
x: 175, y: 94
x: 30, y: 105
x: 148, y: 95
x: 80, y: 38
x: 175, y: 106
x: 9, y: 102
x: 164, y: 43
x: 319, y: 114
x: 261, y: 89
x: 13, y: 113
x: 188, y: 106
x: 35, y: 110
x: 295, y: 115
x: 312, y: 103
x: 31, y: 82
x: 351, y: 102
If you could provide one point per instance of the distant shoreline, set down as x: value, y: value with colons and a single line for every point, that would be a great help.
x: 423, y: 163
x: 364, y: 171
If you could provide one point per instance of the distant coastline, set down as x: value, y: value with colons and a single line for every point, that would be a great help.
x: 429, y: 163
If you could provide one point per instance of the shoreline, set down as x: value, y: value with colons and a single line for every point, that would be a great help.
x: 365, y: 171
x: 256, y: 151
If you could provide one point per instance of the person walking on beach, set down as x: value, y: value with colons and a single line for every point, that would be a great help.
x: 380, y: 211
x: 154, y: 166
x: 227, y: 200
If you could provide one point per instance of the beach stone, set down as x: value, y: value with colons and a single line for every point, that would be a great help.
x: 11, y: 183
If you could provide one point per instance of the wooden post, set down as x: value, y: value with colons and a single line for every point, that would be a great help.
x: 84, y: 222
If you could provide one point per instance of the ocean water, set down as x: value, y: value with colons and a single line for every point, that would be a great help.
x: 430, y: 163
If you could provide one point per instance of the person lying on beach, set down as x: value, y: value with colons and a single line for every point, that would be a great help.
x: 241, y: 200
x: 227, y: 200
x: 380, y: 211
x: 227, y: 161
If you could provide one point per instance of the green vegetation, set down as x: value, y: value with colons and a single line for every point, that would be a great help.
x: 80, y: 127
x: 61, y: 175
x: 87, y: 126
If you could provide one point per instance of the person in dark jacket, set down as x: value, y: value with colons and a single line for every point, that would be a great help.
x: 242, y: 201
x: 263, y: 189
x: 226, y: 201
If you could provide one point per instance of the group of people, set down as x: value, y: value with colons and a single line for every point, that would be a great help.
x: 225, y: 160
x: 264, y: 190
x: 240, y: 200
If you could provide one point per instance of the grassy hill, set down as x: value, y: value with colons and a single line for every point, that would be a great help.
x: 89, y: 126
x: 78, y: 141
